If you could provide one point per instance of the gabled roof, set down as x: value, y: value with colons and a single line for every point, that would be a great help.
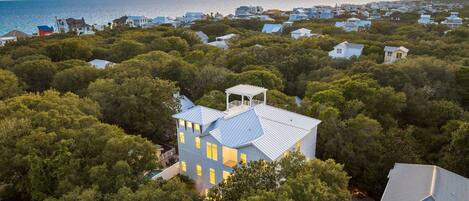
x: 271, y: 130
x: 302, y: 31
x: 413, y: 182
x: 351, y: 45
x: 200, y: 115
x: 46, y: 28
x: 272, y: 28
x: 201, y: 35
x: 17, y: 34
x: 393, y: 49
x: 226, y: 37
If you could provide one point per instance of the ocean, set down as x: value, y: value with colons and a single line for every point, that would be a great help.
x: 25, y: 15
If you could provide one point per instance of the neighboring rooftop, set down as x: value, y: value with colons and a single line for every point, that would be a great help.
x: 413, y: 182
x: 17, y: 34
x: 393, y: 49
x: 352, y: 45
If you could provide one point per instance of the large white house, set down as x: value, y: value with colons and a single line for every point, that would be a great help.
x: 414, y: 182
x: 212, y: 142
x: 346, y: 50
x: 137, y: 21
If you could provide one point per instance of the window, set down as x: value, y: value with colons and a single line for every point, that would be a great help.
x: 212, y: 151
x: 229, y: 156
x: 182, y: 140
x: 183, y: 166
x: 243, y: 158
x: 298, y: 145
x: 198, y: 169
x: 339, y: 51
x: 226, y: 175
x: 181, y: 122
x: 209, y: 150
x: 389, y: 54
x: 212, y: 176
x: 189, y: 125
x: 399, y: 55
x: 197, y: 127
x: 197, y: 142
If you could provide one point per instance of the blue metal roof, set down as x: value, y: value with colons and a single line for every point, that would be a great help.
x: 45, y: 28
x: 200, y: 115
x: 272, y: 28
x: 272, y: 130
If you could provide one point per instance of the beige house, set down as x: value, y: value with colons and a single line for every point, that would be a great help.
x: 393, y: 54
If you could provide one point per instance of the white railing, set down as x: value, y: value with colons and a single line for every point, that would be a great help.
x: 236, y: 103
x: 169, y: 172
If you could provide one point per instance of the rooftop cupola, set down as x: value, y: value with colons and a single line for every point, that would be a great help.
x: 247, y: 93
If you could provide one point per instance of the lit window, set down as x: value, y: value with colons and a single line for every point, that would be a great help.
x: 226, y: 175
x: 181, y: 122
x: 214, y: 152
x: 197, y: 127
x: 198, y: 169
x: 183, y: 166
x: 298, y: 145
x: 181, y: 138
x: 189, y: 125
x: 197, y: 142
x: 212, y: 176
x: 209, y: 150
x: 243, y: 158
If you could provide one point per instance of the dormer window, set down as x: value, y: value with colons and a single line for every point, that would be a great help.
x: 339, y: 51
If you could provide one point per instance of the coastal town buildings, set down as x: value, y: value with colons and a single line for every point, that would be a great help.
x: 412, y: 182
x: 393, y: 54
x: 78, y: 26
x: 301, y: 33
x: 7, y: 39
x: 453, y: 21
x: 12, y: 36
x: 425, y: 20
x: 137, y: 21
x: 212, y: 142
x: 346, y: 50
x: 353, y: 24
x: 248, y: 11
x: 222, y: 42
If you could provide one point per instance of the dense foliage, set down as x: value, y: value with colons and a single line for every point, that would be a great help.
x: 95, y: 145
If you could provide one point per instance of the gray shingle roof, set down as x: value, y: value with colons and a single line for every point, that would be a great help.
x: 413, y: 182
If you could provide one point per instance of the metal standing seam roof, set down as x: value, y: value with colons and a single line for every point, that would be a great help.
x: 414, y: 182
x: 272, y: 28
x: 200, y: 115
x: 201, y: 35
x: 352, y: 45
x: 302, y: 31
x: 272, y: 130
x: 393, y: 49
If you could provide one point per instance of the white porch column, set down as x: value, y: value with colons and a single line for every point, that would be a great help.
x: 227, y: 101
x: 265, y: 97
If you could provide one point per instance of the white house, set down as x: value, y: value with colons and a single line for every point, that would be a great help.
x: 346, y: 50
x: 272, y: 28
x: 223, y: 41
x: 393, y: 54
x: 212, y: 142
x: 7, y: 39
x: 160, y: 20
x: 100, y: 64
x: 353, y: 24
x: 137, y: 21
x: 425, y: 20
x: 453, y: 21
x: 248, y: 11
x: 299, y: 33
x: 297, y: 17
x: 414, y: 182
x: 202, y: 36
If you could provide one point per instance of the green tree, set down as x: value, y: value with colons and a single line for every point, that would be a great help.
x: 139, y: 105
x: 70, y: 48
x: 75, y: 79
x: 126, y: 49
x: 9, y: 85
x: 37, y: 74
x: 456, y: 154
x: 214, y: 99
